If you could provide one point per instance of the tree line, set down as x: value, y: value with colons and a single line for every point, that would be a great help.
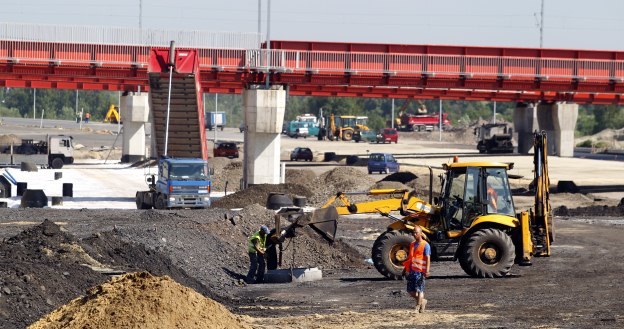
x: 63, y: 104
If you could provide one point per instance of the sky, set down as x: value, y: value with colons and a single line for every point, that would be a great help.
x: 576, y: 24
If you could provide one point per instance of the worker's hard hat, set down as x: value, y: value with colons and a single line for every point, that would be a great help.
x: 265, y: 229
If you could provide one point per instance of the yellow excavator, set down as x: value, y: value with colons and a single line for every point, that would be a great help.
x: 473, y: 221
x: 112, y: 115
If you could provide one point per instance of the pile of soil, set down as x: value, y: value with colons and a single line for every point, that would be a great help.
x: 339, y: 179
x: 140, y: 300
x: 6, y: 140
x: 41, y: 269
x: 259, y: 194
x: 591, y: 211
x: 226, y: 170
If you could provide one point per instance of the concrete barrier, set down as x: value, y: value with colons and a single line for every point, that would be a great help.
x: 300, y: 274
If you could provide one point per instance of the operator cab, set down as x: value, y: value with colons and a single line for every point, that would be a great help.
x: 473, y: 190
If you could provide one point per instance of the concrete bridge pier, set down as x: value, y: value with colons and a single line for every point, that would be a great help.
x: 525, y: 123
x: 134, y: 114
x: 559, y: 122
x: 264, y: 116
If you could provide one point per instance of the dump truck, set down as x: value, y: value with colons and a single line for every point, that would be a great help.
x: 52, y: 152
x: 494, y: 138
x: 423, y: 122
x: 473, y: 221
x: 181, y: 183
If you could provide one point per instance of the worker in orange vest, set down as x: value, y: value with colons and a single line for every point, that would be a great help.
x: 87, y: 117
x: 417, y: 268
x: 492, y: 197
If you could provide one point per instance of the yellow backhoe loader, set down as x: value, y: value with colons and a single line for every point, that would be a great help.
x: 473, y: 221
x: 112, y: 115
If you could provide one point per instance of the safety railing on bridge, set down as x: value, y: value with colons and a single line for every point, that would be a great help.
x: 323, y: 62
x: 101, y: 35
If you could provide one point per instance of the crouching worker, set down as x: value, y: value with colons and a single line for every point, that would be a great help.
x: 417, y: 268
x: 256, y: 246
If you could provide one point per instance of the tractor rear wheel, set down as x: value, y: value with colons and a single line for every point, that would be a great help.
x: 390, y: 250
x: 488, y: 253
x: 347, y: 136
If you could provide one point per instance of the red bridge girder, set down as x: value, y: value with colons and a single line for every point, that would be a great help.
x: 337, y: 69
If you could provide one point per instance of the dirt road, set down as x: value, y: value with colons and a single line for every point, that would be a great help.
x: 578, y: 287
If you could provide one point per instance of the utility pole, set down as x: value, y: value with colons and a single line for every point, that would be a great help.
x: 440, y: 119
x: 140, y: 14
x: 392, y: 113
x: 494, y: 117
x: 76, y: 101
x: 35, y: 104
x: 542, y: 25
x: 268, y: 75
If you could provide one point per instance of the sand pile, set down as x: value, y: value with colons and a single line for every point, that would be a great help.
x: 258, y: 194
x: 140, y: 300
x: 6, y: 140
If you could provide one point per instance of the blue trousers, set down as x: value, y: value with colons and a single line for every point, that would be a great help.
x: 256, y: 268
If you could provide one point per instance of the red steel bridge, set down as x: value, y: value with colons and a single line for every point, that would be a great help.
x: 334, y: 69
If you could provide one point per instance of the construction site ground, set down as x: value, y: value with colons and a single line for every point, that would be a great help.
x: 46, y: 264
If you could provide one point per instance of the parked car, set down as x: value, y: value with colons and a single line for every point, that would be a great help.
x: 388, y: 135
x: 384, y: 163
x: 228, y: 150
x: 301, y: 153
x: 365, y: 136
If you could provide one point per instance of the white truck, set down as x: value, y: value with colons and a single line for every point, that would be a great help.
x: 53, y: 152
x: 215, y: 120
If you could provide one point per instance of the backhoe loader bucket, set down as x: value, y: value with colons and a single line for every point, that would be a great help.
x: 325, y: 222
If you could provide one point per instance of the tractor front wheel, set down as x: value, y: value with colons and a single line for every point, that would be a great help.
x: 390, y: 250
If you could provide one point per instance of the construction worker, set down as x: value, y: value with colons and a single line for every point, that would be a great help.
x: 416, y: 268
x: 492, y: 197
x: 87, y: 117
x: 256, y: 247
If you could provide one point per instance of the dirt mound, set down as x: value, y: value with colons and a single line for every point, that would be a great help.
x: 10, y: 139
x: 389, y: 185
x: 41, y: 269
x: 300, y: 176
x: 346, y: 179
x: 617, y: 211
x: 258, y: 194
x: 403, y: 177
x: 140, y: 300
x: 226, y: 170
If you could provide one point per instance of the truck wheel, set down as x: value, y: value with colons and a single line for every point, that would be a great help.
x: 140, y: 201
x: 160, y: 202
x: 390, y: 250
x: 487, y: 253
x: 57, y: 163
x: 414, y: 128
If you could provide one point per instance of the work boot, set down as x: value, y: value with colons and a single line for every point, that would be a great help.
x: 422, y: 306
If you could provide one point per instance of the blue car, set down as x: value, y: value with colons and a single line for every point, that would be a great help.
x: 382, y: 163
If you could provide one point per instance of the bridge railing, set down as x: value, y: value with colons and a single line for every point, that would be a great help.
x: 323, y: 62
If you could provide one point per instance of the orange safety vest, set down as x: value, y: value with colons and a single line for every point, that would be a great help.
x: 416, y: 260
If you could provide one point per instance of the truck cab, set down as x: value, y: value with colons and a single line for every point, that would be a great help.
x: 182, y: 183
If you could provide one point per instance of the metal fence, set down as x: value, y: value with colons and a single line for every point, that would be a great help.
x: 127, y: 36
x: 293, y: 61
